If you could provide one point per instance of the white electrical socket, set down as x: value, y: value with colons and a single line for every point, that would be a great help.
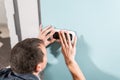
x: 56, y: 35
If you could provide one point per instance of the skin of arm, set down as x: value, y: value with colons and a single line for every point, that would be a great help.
x: 69, y: 51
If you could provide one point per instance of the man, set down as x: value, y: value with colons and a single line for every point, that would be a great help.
x: 29, y: 57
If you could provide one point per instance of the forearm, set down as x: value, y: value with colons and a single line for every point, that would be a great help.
x: 69, y: 52
x: 75, y: 70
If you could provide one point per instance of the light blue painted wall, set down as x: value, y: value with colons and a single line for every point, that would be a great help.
x: 97, y: 25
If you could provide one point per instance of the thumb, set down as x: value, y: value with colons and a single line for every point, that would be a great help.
x: 40, y: 27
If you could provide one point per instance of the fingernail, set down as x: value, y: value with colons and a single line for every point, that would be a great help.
x: 49, y: 25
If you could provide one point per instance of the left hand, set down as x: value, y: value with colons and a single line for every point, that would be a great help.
x: 46, y: 35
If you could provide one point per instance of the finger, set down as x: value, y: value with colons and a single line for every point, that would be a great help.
x: 40, y: 27
x: 47, y: 30
x: 43, y: 30
x: 52, y: 40
x: 64, y: 38
x: 75, y: 41
x: 68, y: 39
x: 50, y: 34
x: 58, y: 40
x: 61, y: 39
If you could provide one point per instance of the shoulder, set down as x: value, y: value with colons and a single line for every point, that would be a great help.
x: 8, y: 74
x: 5, y: 70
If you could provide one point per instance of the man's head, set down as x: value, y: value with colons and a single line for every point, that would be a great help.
x: 28, y: 56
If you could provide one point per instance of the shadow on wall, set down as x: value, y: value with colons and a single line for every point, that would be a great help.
x: 88, y: 67
x: 55, y: 51
x: 52, y: 59
x: 55, y: 48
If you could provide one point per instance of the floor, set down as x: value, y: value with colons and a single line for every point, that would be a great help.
x: 4, y: 46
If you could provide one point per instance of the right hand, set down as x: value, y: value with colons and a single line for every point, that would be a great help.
x: 68, y: 47
x: 69, y: 52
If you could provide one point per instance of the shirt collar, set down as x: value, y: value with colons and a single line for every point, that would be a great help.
x: 28, y: 76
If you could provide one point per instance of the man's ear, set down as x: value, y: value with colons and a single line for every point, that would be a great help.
x: 39, y: 68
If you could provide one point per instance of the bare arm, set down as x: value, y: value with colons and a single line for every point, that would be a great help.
x: 69, y: 52
x: 75, y: 71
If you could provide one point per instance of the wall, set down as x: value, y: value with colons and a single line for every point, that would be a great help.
x: 3, y: 19
x: 97, y: 25
x: 23, y: 19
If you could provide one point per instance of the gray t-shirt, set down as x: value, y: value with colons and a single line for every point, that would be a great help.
x: 8, y: 74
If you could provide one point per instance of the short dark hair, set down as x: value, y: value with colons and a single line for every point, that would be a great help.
x: 25, y: 55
